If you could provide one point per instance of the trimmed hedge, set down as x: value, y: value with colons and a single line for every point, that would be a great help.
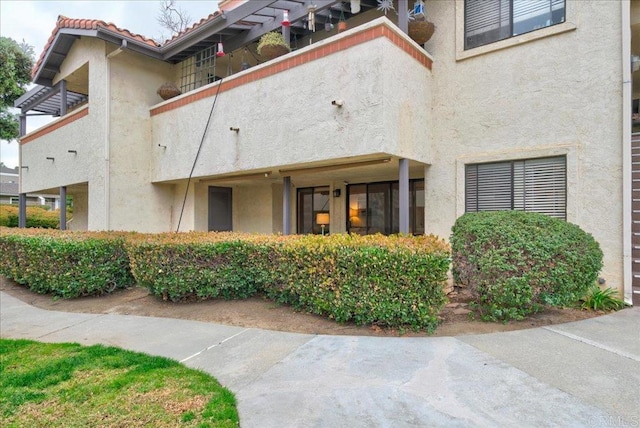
x: 36, y: 217
x: 390, y: 281
x: 393, y: 281
x: 190, y: 266
x: 515, y: 262
x: 67, y: 264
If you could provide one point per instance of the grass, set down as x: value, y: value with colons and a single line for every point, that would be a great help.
x: 69, y: 385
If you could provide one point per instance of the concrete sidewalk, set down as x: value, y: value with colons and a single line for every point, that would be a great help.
x: 579, y: 374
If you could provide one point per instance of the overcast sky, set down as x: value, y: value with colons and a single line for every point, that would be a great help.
x: 33, y: 22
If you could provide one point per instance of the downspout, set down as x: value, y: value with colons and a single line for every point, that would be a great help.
x: 107, y: 137
x: 626, y: 150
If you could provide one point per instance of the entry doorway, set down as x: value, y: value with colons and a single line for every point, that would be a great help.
x: 220, y: 212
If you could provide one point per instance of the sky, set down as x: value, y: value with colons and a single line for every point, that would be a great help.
x: 33, y: 22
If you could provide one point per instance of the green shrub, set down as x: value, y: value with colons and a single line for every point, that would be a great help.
x: 37, y: 216
x: 395, y: 281
x: 515, y: 262
x: 390, y: 281
x: 598, y: 299
x: 178, y: 270
x: 66, y: 264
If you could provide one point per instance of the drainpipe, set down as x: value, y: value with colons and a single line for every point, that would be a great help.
x: 625, y: 6
x: 107, y: 137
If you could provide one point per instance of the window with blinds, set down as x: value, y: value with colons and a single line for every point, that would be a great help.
x: 487, y: 21
x: 538, y: 185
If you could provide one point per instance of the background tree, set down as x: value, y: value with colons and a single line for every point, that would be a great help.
x: 16, y: 61
x: 172, y: 17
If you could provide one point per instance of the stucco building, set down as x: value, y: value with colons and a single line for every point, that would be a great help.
x: 509, y: 105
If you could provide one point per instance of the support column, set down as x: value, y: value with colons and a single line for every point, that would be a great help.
x: 63, y: 207
x: 403, y: 189
x: 22, y: 197
x: 403, y: 15
x: 22, y: 210
x: 63, y: 97
x: 286, y: 205
x: 286, y: 35
x: 23, y: 124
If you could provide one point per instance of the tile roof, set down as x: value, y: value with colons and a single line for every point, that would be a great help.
x: 193, y: 27
x: 88, y: 24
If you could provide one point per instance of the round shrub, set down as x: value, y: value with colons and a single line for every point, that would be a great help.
x: 515, y: 262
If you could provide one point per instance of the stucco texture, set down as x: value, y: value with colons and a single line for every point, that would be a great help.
x: 555, y: 95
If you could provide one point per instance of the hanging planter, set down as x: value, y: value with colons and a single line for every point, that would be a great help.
x: 421, y: 31
x: 168, y: 90
x: 272, y: 45
x: 342, y: 24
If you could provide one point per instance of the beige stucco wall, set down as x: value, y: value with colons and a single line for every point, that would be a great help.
x: 86, y: 135
x: 135, y: 203
x: 80, y: 220
x: 555, y: 95
x: 288, y: 118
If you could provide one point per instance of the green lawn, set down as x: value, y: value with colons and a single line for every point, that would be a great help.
x: 69, y: 385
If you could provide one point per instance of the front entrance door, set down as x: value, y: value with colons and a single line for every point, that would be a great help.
x: 220, y: 209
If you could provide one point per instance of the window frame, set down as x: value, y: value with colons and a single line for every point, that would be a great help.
x: 315, y: 228
x: 509, y: 15
x: 517, y: 186
x: 413, y: 217
x: 462, y: 54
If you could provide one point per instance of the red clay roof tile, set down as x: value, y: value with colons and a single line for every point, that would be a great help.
x: 94, y: 24
x: 88, y: 24
x: 193, y: 27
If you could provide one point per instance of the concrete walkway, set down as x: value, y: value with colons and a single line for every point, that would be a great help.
x: 582, y: 374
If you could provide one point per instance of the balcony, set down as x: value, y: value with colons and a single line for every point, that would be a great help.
x: 357, y: 95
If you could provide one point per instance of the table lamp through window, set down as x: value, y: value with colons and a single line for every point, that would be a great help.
x: 322, y: 219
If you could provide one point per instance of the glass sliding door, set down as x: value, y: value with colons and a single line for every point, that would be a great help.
x: 311, y: 202
x: 375, y: 208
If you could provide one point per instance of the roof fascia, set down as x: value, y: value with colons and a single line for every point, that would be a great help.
x: 219, y: 23
x: 101, y: 33
x: 132, y: 44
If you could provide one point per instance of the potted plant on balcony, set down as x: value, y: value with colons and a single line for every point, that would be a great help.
x: 272, y: 45
x: 420, y: 30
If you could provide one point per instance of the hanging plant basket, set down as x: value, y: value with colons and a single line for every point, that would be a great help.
x: 273, y: 51
x: 342, y: 26
x: 421, y: 31
x: 168, y: 90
